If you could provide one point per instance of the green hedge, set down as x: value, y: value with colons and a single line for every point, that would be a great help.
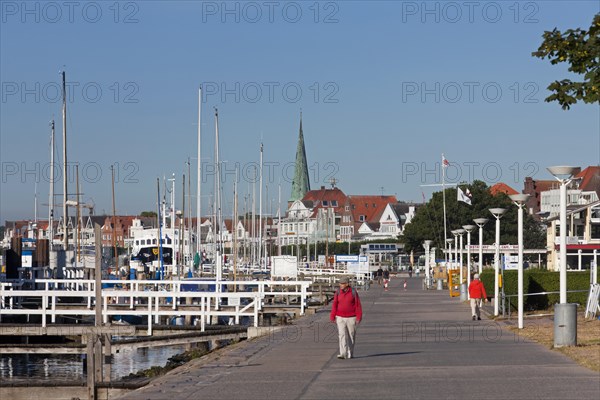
x: 536, y: 281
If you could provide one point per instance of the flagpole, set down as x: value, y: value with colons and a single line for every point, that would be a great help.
x: 444, y: 200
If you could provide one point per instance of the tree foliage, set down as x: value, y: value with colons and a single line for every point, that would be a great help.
x: 580, y: 49
x: 428, y: 223
x: 151, y: 214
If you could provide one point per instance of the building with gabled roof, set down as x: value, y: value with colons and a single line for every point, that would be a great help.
x: 502, y: 187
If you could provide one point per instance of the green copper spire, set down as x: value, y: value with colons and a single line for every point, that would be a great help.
x: 301, y: 182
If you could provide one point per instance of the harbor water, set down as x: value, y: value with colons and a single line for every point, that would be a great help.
x: 20, y: 367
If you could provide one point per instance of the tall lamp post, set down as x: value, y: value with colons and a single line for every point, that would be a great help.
x: 455, y: 233
x: 469, y: 229
x: 449, y: 241
x: 480, y: 222
x: 520, y: 200
x: 426, y: 245
x: 565, y: 315
x: 497, y: 213
x: 461, y: 232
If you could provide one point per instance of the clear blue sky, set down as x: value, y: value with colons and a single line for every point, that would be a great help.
x: 386, y: 87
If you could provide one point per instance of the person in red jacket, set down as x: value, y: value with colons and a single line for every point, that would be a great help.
x: 477, y: 295
x: 346, y: 312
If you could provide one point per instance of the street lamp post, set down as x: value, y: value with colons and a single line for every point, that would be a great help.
x: 449, y: 241
x: 469, y: 229
x: 455, y: 233
x: 497, y: 213
x: 426, y: 245
x: 520, y: 200
x: 460, y: 232
x: 480, y: 223
x: 565, y: 315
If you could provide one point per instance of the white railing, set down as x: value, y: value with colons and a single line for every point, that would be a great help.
x: 246, y: 299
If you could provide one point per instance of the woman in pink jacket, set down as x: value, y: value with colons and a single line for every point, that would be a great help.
x: 346, y: 311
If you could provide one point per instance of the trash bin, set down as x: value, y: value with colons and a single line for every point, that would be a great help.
x: 565, y: 324
x: 463, y: 292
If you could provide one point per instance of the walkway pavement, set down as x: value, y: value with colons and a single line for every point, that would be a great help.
x: 412, y: 344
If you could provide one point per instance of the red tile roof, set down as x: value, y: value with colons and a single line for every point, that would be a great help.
x: 590, y: 179
x: 501, y: 187
x: 320, y: 195
x: 370, y: 206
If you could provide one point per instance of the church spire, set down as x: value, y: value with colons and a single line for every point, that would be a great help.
x: 301, y: 182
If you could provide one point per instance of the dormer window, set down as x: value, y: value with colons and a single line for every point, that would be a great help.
x: 333, y: 203
x: 325, y: 203
x: 361, y: 218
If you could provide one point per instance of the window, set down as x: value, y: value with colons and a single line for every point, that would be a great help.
x: 325, y: 203
x: 347, y: 208
x: 374, y: 205
x: 595, y: 231
x: 361, y: 218
x: 334, y: 203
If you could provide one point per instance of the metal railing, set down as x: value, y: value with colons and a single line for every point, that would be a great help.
x: 151, y: 298
x: 508, y: 296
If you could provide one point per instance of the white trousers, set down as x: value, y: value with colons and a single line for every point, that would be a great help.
x: 476, y: 307
x: 347, y: 334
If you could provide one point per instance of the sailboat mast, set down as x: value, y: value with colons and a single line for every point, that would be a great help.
x: 65, y: 177
x: 160, y: 240
x: 253, y: 243
x: 112, y: 170
x: 279, y: 223
x: 182, y: 226
x: 51, y: 195
x: 218, y: 214
x: 189, y: 250
x: 78, y: 216
x: 260, y: 207
x: 234, y: 224
x: 199, y: 177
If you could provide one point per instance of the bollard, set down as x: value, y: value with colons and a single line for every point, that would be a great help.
x: 565, y: 324
x: 463, y: 292
x: 440, y: 285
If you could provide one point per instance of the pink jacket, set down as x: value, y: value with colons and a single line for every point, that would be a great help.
x: 346, y: 304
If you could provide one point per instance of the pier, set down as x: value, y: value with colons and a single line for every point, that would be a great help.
x: 412, y: 344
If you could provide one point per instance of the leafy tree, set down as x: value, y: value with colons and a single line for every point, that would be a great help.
x: 151, y: 214
x: 580, y: 49
x: 428, y: 222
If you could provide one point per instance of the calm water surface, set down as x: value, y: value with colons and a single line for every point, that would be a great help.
x: 20, y: 367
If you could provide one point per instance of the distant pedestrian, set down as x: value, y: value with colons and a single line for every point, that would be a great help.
x: 405, y: 284
x: 346, y: 312
x: 477, y: 295
x: 386, y: 279
x: 379, y: 275
x: 410, y: 271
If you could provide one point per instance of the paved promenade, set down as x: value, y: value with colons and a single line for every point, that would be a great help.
x: 412, y: 344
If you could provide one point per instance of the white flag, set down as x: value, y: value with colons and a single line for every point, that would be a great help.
x: 461, y: 196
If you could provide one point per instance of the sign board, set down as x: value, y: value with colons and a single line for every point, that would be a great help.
x: 510, y: 262
x: 233, y: 301
x: 284, y: 267
x: 492, y: 247
x: 361, y: 266
x: 346, y: 258
x: 27, y: 259
x: 321, y: 259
